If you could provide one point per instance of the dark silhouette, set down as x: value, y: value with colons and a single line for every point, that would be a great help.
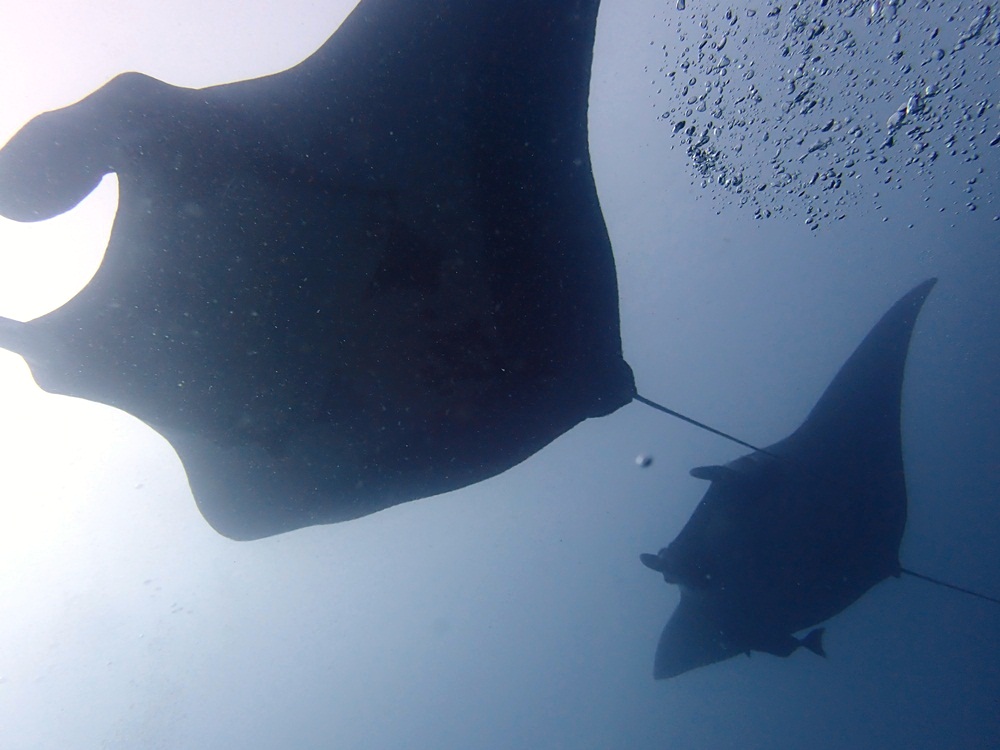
x: 788, y: 536
x: 377, y: 276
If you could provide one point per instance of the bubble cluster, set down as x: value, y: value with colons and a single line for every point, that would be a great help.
x: 802, y: 107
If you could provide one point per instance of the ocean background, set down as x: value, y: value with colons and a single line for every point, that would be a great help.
x: 515, y: 613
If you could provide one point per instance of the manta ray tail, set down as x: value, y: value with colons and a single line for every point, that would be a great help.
x: 814, y: 642
x: 952, y: 586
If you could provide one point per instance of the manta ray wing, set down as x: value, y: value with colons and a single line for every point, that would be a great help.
x: 380, y: 275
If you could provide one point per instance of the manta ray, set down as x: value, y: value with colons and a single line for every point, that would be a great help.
x: 379, y: 275
x: 788, y: 536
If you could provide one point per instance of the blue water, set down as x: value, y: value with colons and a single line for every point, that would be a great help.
x: 515, y: 613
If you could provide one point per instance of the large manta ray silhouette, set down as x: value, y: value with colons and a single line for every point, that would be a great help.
x: 380, y: 275
x: 788, y: 536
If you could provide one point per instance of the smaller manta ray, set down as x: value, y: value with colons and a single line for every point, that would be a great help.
x: 788, y: 536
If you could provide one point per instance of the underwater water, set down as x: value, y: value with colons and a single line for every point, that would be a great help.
x: 758, y: 235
